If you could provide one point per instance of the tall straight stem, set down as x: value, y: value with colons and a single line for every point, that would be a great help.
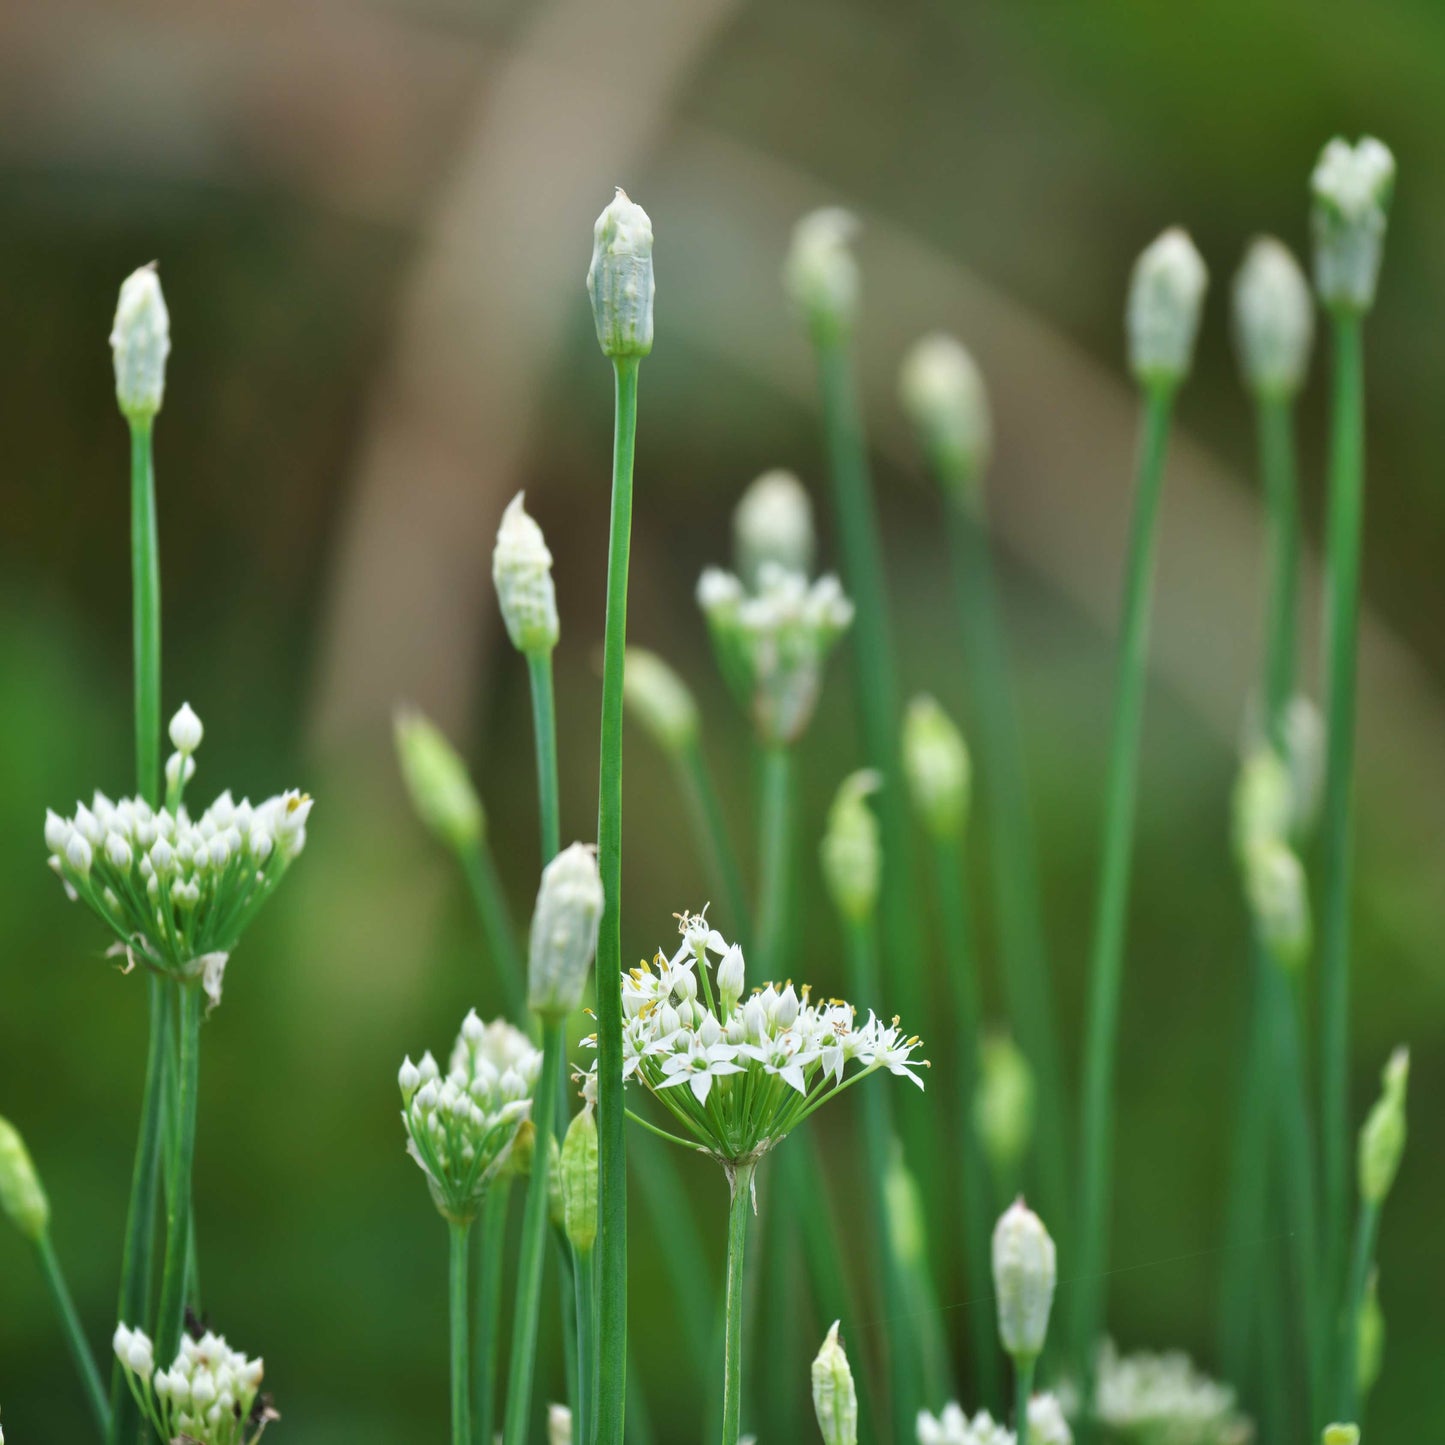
x: 461, y: 1354
x: 1275, y: 425
x: 1017, y: 904
x: 145, y: 569
x: 741, y: 1181
x: 534, y: 1238
x: 583, y: 1273
x: 485, y: 1345
x: 490, y: 901
x: 712, y: 838
x: 1107, y: 960
x: 1367, y: 1231
x: 74, y: 1334
x: 611, y: 1117
x: 774, y: 858
x: 178, y: 1209
x: 1023, y: 1388
x: 544, y: 727
x: 1342, y: 605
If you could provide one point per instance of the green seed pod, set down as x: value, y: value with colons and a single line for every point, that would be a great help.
x: 821, y: 274
x: 835, y: 1399
x: 1382, y: 1140
x: 943, y: 393
x: 852, y: 851
x: 437, y: 780
x: 660, y: 701
x: 620, y: 280
x: 1370, y: 1341
x: 140, y: 341
x: 1025, y: 1269
x: 1342, y: 1435
x: 1278, y: 895
x: 1166, y: 297
x: 522, y: 574
x: 1352, y: 188
x: 22, y: 1196
x: 1274, y: 320
x: 773, y: 523
x: 1003, y: 1107
x: 936, y: 761
x: 579, y: 1181
x: 564, y: 932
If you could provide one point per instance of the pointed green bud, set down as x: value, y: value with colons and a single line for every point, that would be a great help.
x: 773, y: 523
x: 1341, y: 1435
x: 821, y: 274
x: 1274, y: 320
x: 522, y: 573
x: 1352, y: 188
x: 1003, y: 1107
x: 1274, y: 880
x: 1025, y: 1270
x: 835, y: 1399
x: 564, y: 932
x: 579, y: 1181
x: 943, y: 393
x: 620, y: 280
x: 907, y: 1231
x: 660, y: 701
x: 1370, y: 1339
x: 22, y: 1196
x: 1263, y: 803
x: 852, y: 851
x: 437, y: 780
x: 1382, y: 1140
x: 936, y: 762
x: 1166, y: 296
x: 140, y: 341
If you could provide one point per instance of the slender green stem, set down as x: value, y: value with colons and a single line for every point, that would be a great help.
x: 1275, y: 424
x: 1018, y: 907
x: 1367, y: 1232
x: 712, y: 838
x: 534, y: 1237
x: 544, y: 726
x: 567, y: 1313
x: 774, y: 857
x: 145, y: 566
x: 492, y: 912
x: 485, y: 1346
x: 583, y: 1273
x: 178, y: 1210
x: 1342, y: 605
x: 611, y: 1140
x: 74, y: 1334
x: 1023, y: 1389
x: 1107, y: 960
x: 741, y: 1181
x: 461, y: 1353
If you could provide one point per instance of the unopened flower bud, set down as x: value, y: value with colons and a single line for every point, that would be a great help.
x: 408, y: 1079
x: 1047, y: 1425
x: 659, y: 699
x: 935, y: 760
x: 773, y: 523
x: 1341, y: 1435
x: 835, y: 1398
x: 140, y: 341
x: 1352, y: 188
x: 522, y: 572
x: 1274, y: 319
x: 564, y: 932
x: 578, y: 1176
x: 1024, y: 1272
x: 559, y: 1425
x: 186, y: 730
x: 731, y: 978
x: 180, y: 769
x: 1382, y: 1140
x: 942, y: 391
x: 907, y: 1232
x: 1370, y: 1338
x: 1166, y: 296
x: 1274, y: 879
x: 78, y: 854
x: 852, y: 850
x: 22, y: 1196
x: 821, y: 274
x: 1003, y: 1106
x: 1263, y: 803
x: 437, y: 780
x: 620, y: 280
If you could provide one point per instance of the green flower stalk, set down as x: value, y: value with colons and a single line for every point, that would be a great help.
x: 943, y: 393
x: 835, y: 1398
x: 621, y: 284
x: 1369, y: 1341
x: 23, y: 1200
x: 1352, y: 188
x: 1166, y: 296
x: 579, y: 1222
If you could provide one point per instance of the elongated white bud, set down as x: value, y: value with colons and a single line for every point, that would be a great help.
x: 660, y: 700
x: 140, y: 341
x: 773, y: 523
x: 1274, y: 319
x: 943, y: 392
x: 1025, y: 1270
x: 22, y: 1196
x: 564, y: 932
x: 821, y: 273
x: 935, y: 759
x: 436, y: 778
x: 1352, y: 188
x: 835, y: 1397
x: 620, y: 280
x: 522, y: 573
x: 1382, y: 1139
x: 731, y: 978
x: 1166, y: 297
x: 186, y: 730
x: 852, y: 850
x: 578, y: 1179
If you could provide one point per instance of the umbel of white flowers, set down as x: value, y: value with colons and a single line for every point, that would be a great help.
x: 620, y: 280
x: 1274, y: 320
x: 943, y: 392
x: 460, y: 1128
x: 140, y: 341
x: 522, y: 573
x: 773, y: 523
x: 1047, y: 1426
x: 1352, y: 188
x: 178, y: 892
x: 564, y: 932
x: 1025, y: 1269
x: 210, y: 1393
x: 740, y: 1074
x: 1166, y: 296
x: 771, y: 644
x: 660, y: 700
x: 820, y: 273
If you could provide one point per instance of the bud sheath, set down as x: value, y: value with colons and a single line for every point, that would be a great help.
x: 564, y: 932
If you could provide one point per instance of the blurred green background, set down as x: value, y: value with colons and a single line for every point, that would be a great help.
x: 372, y: 222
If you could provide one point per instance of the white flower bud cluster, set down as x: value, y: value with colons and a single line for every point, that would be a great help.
x: 1274, y: 319
x: 771, y: 644
x: 1047, y: 1426
x: 1352, y: 187
x: 660, y: 700
x: 733, y: 1053
x: 460, y: 1127
x: 620, y: 280
x: 210, y: 1394
x: 522, y: 574
x: 140, y: 341
x: 563, y: 939
x: 821, y: 274
x: 943, y: 392
x: 1166, y: 297
x: 1163, y: 1397
x: 773, y: 523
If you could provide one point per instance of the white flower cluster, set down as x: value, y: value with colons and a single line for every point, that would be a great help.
x: 461, y: 1127
x: 209, y: 1395
x: 1162, y: 1399
x: 772, y: 643
x: 754, y: 1068
x: 1047, y: 1426
x: 177, y: 892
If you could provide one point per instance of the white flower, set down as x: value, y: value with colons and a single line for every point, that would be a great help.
x: 208, y: 1394
x: 952, y: 1427
x: 1163, y: 1397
